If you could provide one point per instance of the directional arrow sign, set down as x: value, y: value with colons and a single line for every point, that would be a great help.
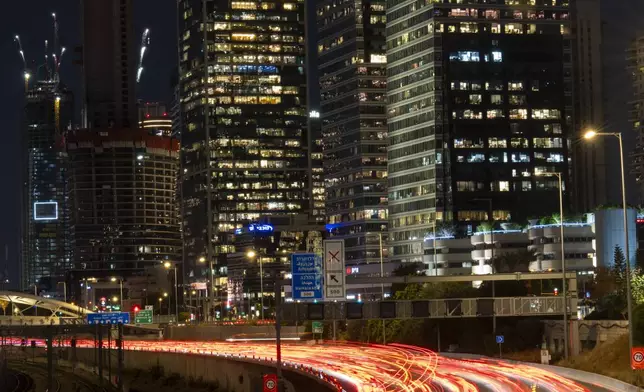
x: 306, y: 269
x: 334, y: 269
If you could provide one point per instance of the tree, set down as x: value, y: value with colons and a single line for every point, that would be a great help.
x: 637, y: 287
x: 513, y: 262
x: 618, y: 271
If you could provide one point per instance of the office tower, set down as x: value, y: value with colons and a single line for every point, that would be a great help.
x: 316, y: 193
x: 154, y: 118
x: 352, y: 69
x: 109, y: 68
x: 479, y: 104
x: 243, y: 108
x: 636, y: 67
x: 48, y: 111
x: 123, y: 199
x: 588, y: 167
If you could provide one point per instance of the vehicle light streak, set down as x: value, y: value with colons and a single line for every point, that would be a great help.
x: 370, y: 368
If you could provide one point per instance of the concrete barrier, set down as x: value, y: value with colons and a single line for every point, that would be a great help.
x: 573, y: 374
x: 231, y: 374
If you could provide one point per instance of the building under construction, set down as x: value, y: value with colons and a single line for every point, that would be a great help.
x: 45, y: 244
x: 123, y: 198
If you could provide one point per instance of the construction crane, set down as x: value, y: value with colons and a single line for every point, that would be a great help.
x: 26, y: 73
x: 145, y: 42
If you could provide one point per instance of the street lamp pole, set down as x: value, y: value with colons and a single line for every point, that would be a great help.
x: 176, y: 296
x: 121, y: 289
x: 382, y: 289
x: 629, y: 301
x: 563, y: 260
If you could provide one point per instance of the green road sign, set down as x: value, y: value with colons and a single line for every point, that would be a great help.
x: 318, y: 327
x: 143, y: 317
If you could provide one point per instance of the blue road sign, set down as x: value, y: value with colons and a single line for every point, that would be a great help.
x: 306, y: 269
x: 500, y: 339
x: 108, y: 318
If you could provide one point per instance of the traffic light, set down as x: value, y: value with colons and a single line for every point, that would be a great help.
x: 135, y: 308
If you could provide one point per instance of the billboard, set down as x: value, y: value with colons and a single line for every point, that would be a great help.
x: 45, y: 210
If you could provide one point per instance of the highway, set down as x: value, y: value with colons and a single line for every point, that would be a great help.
x: 370, y: 368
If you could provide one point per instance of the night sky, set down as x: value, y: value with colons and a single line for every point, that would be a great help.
x: 31, y: 19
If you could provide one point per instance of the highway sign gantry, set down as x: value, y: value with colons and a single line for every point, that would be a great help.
x: 335, y: 274
x: 306, y: 269
x: 143, y: 317
x: 108, y: 318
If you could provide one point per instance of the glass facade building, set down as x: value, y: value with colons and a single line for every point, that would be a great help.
x: 352, y: 72
x: 479, y: 104
x: 243, y: 108
x: 45, y: 242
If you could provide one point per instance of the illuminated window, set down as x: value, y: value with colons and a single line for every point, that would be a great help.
x: 496, y: 99
x: 500, y: 186
x: 497, y: 57
x: 243, y: 5
x: 518, y: 142
x: 514, y: 28
x: 495, y: 142
x: 290, y: 6
x: 520, y: 157
x: 517, y: 100
x: 518, y: 114
x: 495, y: 113
x: 546, y: 114
x: 465, y: 56
x: 475, y: 157
x: 243, y: 37
x: 547, y: 142
x: 378, y: 58
x: 515, y: 86
x: 476, y: 99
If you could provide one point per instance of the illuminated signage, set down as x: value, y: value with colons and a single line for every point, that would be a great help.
x: 260, y: 228
x: 45, y: 210
x: 198, y: 286
x: 353, y: 270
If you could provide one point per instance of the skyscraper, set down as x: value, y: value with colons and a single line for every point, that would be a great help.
x: 46, y: 251
x: 243, y: 106
x: 352, y: 68
x: 109, y: 68
x: 479, y: 104
x: 588, y: 168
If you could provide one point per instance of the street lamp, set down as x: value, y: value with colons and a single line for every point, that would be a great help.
x: 121, y: 289
x: 629, y: 302
x: 563, y: 257
x: 251, y: 255
x: 168, y: 265
x: 202, y: 259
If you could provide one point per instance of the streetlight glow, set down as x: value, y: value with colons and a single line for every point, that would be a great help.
x: 202, y: 259
x: 590, y: 134
x: 251, y: 254
x: 113, y: 279
x: 114, y: 299
x: 167, y: 264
